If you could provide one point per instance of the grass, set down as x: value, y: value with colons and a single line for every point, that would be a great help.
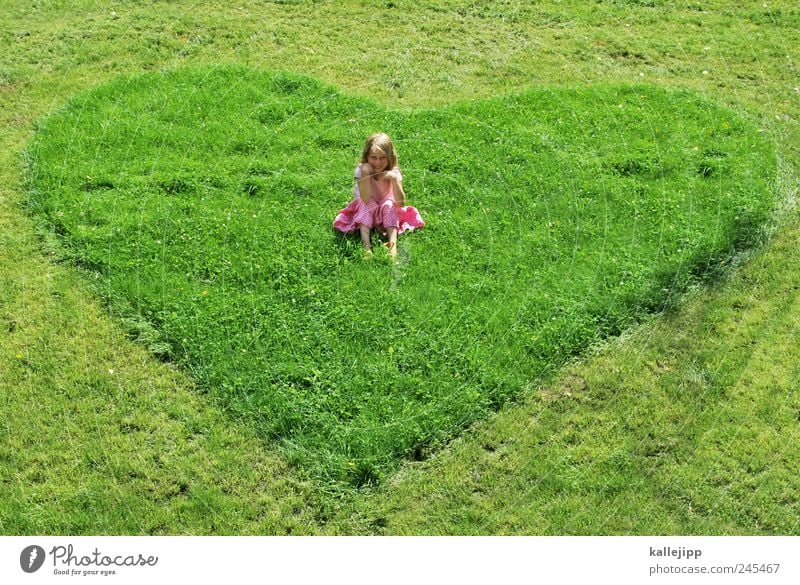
x: 202, y: 200
x: 727, y: 465
x: 693, y: 431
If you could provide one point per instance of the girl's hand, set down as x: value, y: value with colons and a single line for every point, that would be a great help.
x: 366, y: 170
x: 393, y: 176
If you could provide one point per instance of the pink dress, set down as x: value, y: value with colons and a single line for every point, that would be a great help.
x: 380, y: 213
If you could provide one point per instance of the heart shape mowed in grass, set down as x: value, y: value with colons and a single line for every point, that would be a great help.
x: 203, y: 198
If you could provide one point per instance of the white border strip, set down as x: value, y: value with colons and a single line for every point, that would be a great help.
x: 382, y: 560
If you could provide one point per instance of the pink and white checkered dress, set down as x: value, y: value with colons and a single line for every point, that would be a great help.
x: 380, y: 213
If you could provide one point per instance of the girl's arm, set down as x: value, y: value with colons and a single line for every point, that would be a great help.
x: 399, y: 194
x: 397, y: 179
x: 364, y: 186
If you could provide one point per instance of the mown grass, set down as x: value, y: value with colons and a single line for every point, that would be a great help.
x: 736, y: 342
x: 203, y: 200
x: 688, y: 425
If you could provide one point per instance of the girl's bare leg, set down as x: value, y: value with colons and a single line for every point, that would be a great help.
x: 392, y: 243
x: 365, y: 237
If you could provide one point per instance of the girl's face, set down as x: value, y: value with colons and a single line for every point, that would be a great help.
x: 378, y: 159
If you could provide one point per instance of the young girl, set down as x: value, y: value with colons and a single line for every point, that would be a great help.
x: 379, y: 197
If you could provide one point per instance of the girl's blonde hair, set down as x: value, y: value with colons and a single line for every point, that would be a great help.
x: 383, y: 143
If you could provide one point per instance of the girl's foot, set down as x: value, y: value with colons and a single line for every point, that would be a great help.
x: 367, y: 254
x: 392, y: 247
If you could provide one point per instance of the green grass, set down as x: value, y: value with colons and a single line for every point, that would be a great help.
x: 93, y: 422
x: 688, y: 425
x: 202, y: 200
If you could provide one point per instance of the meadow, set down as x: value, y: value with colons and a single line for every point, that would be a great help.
x: 184, y: 340
x: 201, y: 201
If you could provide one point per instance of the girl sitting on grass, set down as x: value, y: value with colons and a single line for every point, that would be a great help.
x: 379, y: 197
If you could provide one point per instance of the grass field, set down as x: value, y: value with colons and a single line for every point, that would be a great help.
x: 202, y: 200
x: 685, y: 424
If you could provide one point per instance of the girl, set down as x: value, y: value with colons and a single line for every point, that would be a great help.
x: 379, y: 197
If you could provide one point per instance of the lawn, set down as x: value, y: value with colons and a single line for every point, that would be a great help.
x: 201, y: 200
x: 683, y: 424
